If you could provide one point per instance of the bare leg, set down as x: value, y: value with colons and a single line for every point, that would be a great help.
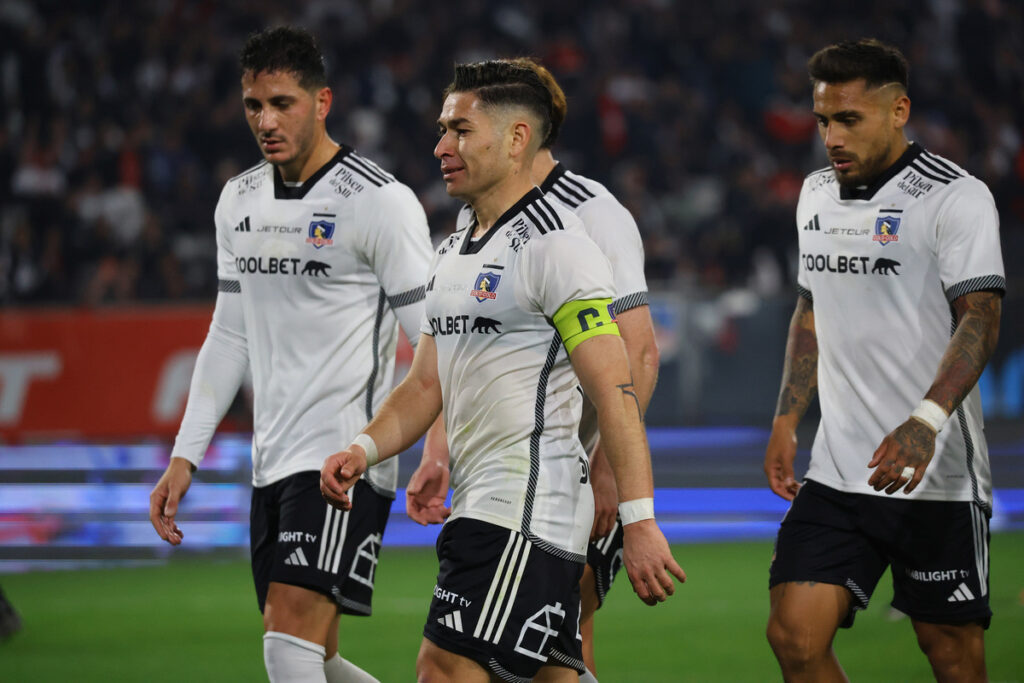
x: 551, y: 673
x: 956, y: 652
x: 436, y: 665
x: 302, y: 613
x: 803, y: 621
x: 588, y: 606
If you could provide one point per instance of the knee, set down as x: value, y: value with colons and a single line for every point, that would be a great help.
x: 793, y: 644
x: 427, y: 670
x: 951, y: 649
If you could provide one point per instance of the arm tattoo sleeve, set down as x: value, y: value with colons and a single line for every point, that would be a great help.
x: 800, y: 371
x: 973, y: 342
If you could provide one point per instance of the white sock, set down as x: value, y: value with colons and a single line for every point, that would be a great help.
x: 292, y: 660
x: 587, y: 677
x: 338, y: 670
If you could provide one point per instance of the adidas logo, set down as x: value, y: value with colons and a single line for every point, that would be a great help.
x: 243, y: 226
x: 297, y: 558
x: 813, y: 224
x: 452, y: 620
x: 961, y: 594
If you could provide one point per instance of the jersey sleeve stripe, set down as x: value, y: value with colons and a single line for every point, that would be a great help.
x: 932, y: 166
x: 372, y: 167
x: 587, y: 194
x: 928, y: 173
x: 408, y: 297
x: 542, y: 227
x: 230, y: 286
x: 570, y: 190
x: 352, y: 167
x: 805, y: 293
x: 977, y: 284
x: 544, y: 207
x: 630, y: 301
x: 942, y: 163
x: 571, y: 202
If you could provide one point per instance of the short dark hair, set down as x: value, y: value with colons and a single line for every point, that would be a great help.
x: 867, y: 58
x: 499, y: 82
x: 288, y: 49
x: 559, y: 105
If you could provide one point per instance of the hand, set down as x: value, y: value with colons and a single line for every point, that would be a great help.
x: 778, y: 461
x: 649, y: 562
x: 606, y: 495
x: 912, y: 444
x: 340, y: 472
x: 426, y: 492
x: 164, y: 499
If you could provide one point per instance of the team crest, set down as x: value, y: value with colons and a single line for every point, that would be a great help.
x: 320, y: 233
x: 886, y: 228
x: 485, y: 287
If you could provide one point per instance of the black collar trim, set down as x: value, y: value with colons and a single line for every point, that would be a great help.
x: 557, y: 172
x: 472, y: 247
x: 282, y: 191
x: 912, y: 152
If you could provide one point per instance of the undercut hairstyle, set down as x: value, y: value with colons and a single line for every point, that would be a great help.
x: 503, y: 83
x: 877, y: 63
x: 559, y: 105
x: 286, y: 49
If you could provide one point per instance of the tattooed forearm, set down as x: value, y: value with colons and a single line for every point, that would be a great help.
x: 977, y: 332
x: 800, y: 371
x: 627, y: 389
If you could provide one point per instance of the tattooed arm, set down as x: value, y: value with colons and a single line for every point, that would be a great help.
x: 912, y: 444
x: 799, y: 386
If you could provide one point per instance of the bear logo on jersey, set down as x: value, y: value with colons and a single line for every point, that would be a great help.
x: 485, y: 286
x: 886, y: 228
x: 320, y: 233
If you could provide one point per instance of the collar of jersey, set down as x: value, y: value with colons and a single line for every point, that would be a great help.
x: 557, y: 172
x: 471, y: 247
x: 913, y: 151
x: 282, y: 191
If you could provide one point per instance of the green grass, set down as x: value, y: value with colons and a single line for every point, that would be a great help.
x: 195, y: 620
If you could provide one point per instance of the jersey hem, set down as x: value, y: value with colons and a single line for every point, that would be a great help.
x: 267, y: 480
x: 517, y: 526
x: 930, y: 495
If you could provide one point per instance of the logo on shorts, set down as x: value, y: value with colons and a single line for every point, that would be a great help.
x: 320, y: 233
x: 961, y: 594
x: 364, y: 565
x: 533, y: 637
x: 452, y: 620
x: 486, y: 286
x: 886, y: 228
x: 297, y: 558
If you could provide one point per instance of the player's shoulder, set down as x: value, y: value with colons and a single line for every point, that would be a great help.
x: 365, y: 170
x: 574, y: 190
x: 451, y: 242
x: 820, y: 180
x: 946, y: 177
x: 540, y: 216
x: 248, y: 181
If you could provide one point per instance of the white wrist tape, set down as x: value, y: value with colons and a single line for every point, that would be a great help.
x: 636, y: 510
x: 366, y: 442
x: 931, y: 413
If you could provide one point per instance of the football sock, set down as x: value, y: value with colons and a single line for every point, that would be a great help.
x: 587, y: 677
x: 338, y: 670
x: 292, y: 660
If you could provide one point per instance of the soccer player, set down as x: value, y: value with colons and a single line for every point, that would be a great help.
x: 900, y: 287
x: 612, y: 228
x: 516, y: 302
x: 321, y: 255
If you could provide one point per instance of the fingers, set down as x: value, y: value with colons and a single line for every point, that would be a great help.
x: 156, y: 506
x: 338, y: 500
x: 914, y: 481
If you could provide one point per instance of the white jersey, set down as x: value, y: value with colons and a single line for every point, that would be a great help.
x: 511, y: 399
x: 325, y: 272
x: 612, y: 228
x: 882, y: 265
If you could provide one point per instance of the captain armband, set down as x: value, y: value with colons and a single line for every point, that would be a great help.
x: 577, y: 321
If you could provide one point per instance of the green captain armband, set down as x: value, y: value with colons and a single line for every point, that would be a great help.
x: 578, y: 321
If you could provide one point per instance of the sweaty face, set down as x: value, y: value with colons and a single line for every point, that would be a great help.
x: 862, y: 129
x: 472, y: 149
x: 282, y: 116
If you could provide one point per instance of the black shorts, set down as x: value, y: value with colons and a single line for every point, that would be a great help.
x: 605, y: 558
x: 938, y: 551
x: 296, y: 538
x: 503, y: 602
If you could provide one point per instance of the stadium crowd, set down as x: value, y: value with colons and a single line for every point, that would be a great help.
x: 122, y: 121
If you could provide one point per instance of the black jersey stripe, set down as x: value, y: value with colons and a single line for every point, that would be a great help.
x: 251, y: 170
x: 538, y: 430
x: 571, y: 202
x: 352, y: 167
x: 581, y: 188
x: 571, y: 189
x: 819, y: 171
x: 229, y: 286
x: 545, y: 207
x: 804, y: 292
x: 372, y: 379
x: 935, y: 168
x: 976, y: 284
x: 543, y: 226
x: 373, y: 168
x: 928, y: 174
x: 408, y: 297
x: 939, y: 161
x: 630, y: 301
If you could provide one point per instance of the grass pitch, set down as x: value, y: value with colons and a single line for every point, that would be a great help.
x: 197, y: 620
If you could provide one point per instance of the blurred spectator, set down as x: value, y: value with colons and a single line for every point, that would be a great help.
x: 120, y: 124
